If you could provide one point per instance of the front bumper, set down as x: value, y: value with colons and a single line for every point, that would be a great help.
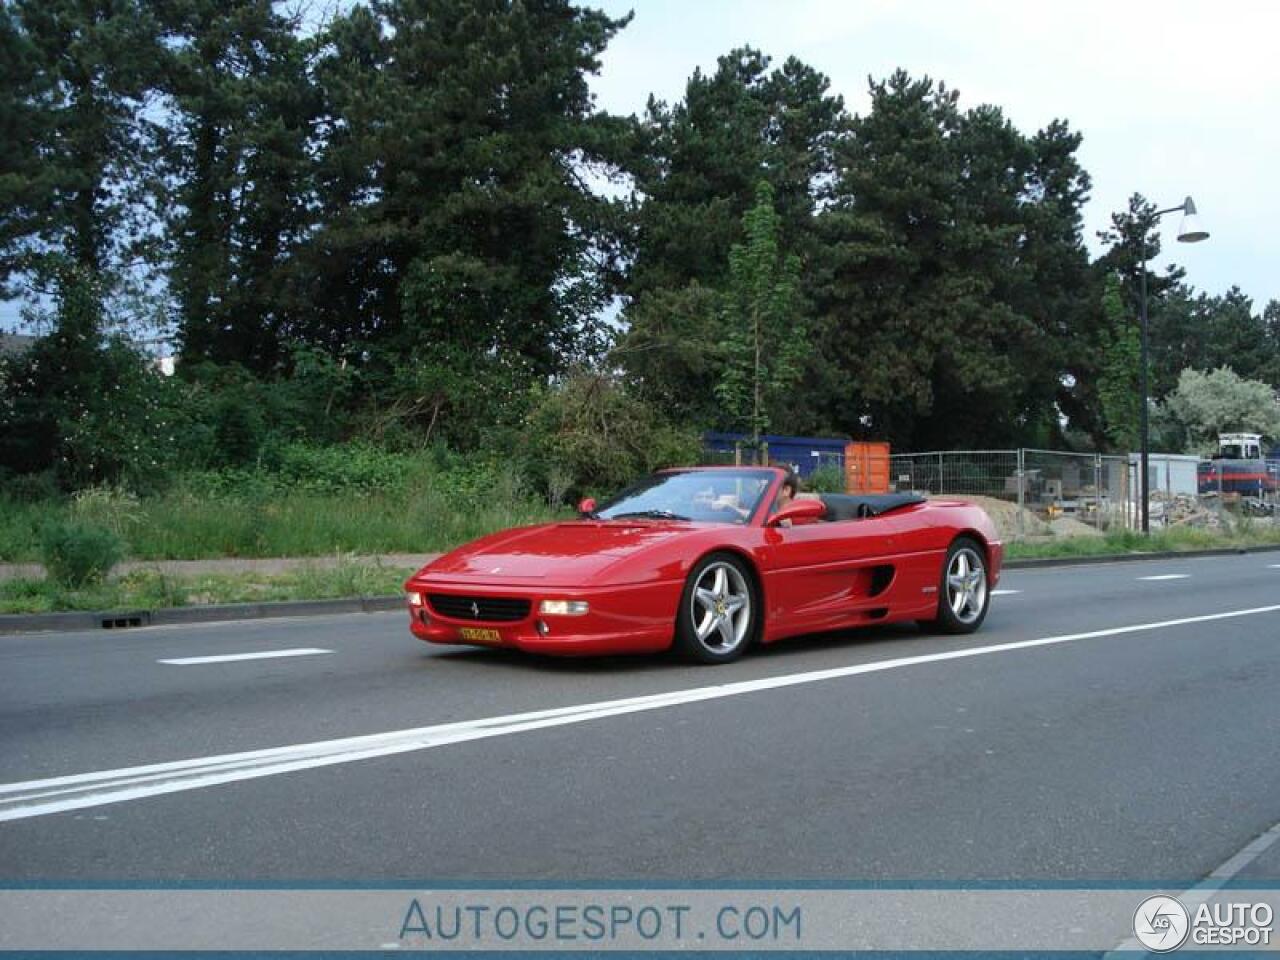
x: 637, y: 618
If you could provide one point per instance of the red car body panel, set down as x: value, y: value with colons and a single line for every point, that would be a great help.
x: 811, y: 577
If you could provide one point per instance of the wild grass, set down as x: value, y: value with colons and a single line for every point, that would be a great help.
x: 1244, y: 534
x: 153, y: 589
x: 252, y: 515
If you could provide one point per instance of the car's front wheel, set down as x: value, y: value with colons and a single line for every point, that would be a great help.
x: 718, y: 609
x: 963, y: 594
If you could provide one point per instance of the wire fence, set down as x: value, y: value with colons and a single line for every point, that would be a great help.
x: 1032, y: 493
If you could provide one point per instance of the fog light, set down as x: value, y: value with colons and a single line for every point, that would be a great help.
x: 563, y: 608
x: 543, y: 629
x: 415, y: 599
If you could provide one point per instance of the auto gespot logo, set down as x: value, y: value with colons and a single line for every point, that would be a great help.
x: 1162, y: 924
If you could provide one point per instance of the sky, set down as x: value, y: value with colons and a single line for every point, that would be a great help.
x: 1172, y: 98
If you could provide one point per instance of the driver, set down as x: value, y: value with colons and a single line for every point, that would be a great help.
x: 786, y: 493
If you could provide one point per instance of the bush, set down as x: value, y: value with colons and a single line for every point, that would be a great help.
x: 828, y: 478
x: 77, y: 554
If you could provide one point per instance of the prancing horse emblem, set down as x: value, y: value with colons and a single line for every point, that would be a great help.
x: 475, y: 609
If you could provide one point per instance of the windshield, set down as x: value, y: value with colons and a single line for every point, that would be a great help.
x: 713, y: 496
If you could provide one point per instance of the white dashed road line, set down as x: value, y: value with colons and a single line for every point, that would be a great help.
x: 1004, y: 593
x: 1167, y: 576
x: 232, y: 657
x: 34, y: 798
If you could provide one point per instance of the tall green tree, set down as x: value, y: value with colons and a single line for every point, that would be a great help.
x: 456, y: 213
x: 239, y: 156
x: 697, y: 166
x: 80, y: 83
x: 950, y: 251
x: 1203, y: 332
x: 764, y: 330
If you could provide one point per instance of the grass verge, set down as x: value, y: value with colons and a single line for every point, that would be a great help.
x: 153, y: 589
x: 1246, y: 534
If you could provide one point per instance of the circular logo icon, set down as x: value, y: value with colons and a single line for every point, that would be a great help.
x: 1161, y: 924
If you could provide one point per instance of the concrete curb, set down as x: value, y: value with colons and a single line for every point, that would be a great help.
x: 214, y: 613
x: 1033, y: 563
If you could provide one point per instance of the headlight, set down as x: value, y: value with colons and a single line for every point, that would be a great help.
x: 563, y: 608
x: 415, y: 599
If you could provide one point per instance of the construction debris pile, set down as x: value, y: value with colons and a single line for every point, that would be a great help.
x: 1184, y: 510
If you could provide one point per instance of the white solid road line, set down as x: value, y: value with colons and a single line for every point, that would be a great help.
x: 34, y: 798
x: 232, y: 657
x: 1167, y: 576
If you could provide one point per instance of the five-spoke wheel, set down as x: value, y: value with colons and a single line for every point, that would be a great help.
x: 963, y: 595
x: 718, y: 610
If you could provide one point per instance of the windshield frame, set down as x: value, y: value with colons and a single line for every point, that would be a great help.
x: 770, y: 476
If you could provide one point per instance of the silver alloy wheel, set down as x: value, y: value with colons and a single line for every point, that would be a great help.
x: 967, y: 585
x: 720, y: 607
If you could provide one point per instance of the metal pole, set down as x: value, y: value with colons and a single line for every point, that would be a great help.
x: 1021, y: 497
x: 1143, y: 481
x: 1097, y: 491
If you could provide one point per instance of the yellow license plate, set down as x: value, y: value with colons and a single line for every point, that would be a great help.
x: 479, y: 635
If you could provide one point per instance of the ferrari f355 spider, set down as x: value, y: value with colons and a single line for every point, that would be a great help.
x: 708, y: 560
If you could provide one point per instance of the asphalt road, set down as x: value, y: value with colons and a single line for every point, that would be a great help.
x: 1150, y: 754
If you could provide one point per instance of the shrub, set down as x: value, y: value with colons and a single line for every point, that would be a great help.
x: 76, y: 554
x: 828, y: 478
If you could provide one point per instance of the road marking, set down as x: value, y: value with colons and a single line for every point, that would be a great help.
x: 1004, y: 593
x: 1274, y: 566
x: 1167, y: 576
x: 34, y: 798
x: 232, y: 657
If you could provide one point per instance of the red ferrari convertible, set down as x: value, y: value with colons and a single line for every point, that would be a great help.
x: 702, y: 559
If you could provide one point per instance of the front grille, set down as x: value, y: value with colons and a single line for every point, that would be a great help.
x: 491, y: 609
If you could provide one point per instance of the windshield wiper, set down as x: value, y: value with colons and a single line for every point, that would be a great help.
x: 648, y: 515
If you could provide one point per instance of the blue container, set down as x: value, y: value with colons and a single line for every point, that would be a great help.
x: 802, y: 454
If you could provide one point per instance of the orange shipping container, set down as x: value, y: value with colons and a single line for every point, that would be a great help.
x: 866, y: 467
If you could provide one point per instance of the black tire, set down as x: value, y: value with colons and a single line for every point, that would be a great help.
x: 719, y: 613
x: 966, y: 559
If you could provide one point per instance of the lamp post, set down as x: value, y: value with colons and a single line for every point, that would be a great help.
x: 1189, y: 231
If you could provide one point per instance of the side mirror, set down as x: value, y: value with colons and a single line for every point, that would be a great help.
x: 798, y: 510
x: 587, y: 506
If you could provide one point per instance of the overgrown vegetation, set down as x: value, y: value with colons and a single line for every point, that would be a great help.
x: 1179, y: 539
x: 75, y: 555
x: 152, y: 589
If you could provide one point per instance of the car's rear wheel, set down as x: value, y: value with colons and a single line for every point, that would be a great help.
x: 963, y: 594
x: 718, y: 609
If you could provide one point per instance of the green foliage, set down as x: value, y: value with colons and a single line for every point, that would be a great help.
x: 953, y: 260
x: 1206, y: 404
x: 78, y: 554
x: 388, y: 227
x: 87, y: 410
x: 591, y: 428
x: 765, y: 340
x: 828, y: 478
x: 1119, y: 386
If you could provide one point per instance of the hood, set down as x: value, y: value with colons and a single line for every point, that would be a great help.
x: 564, y: 554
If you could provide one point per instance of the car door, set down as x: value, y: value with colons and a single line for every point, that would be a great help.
x: 822, y: 575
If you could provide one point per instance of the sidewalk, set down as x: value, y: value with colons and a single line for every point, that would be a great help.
x: 263, y: 565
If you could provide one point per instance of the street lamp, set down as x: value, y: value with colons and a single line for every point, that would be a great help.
x: 1189, y: 231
